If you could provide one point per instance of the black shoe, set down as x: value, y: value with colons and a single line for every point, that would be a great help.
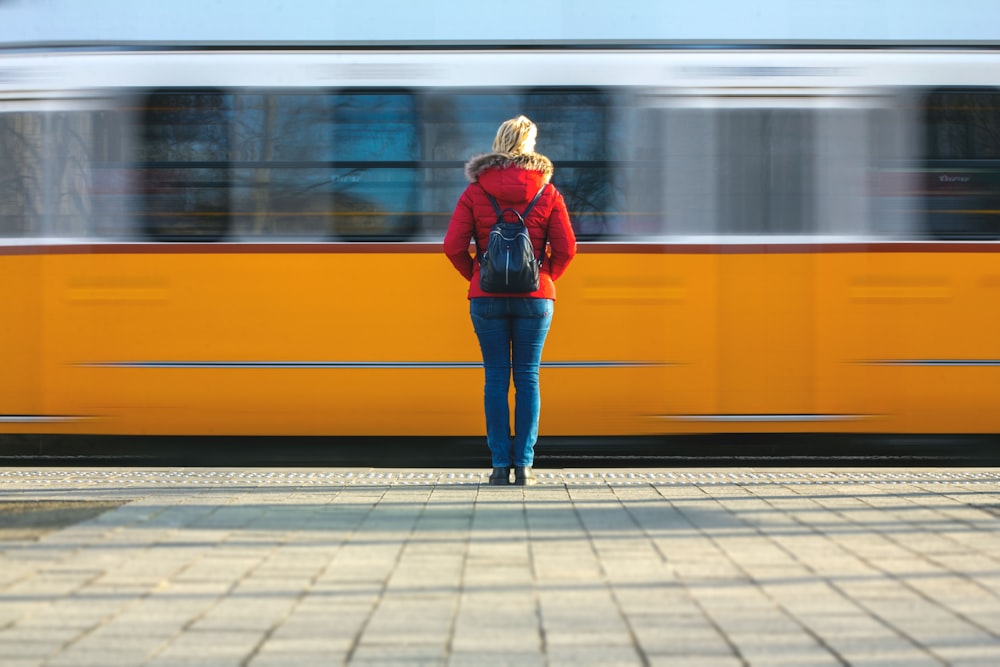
x: 500, y: 477
x: 523, y: 476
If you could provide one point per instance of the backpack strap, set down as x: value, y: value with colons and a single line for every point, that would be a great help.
x: 534, y: 200
x: 531, y: 204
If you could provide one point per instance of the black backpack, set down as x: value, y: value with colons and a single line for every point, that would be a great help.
x: 509, y: 264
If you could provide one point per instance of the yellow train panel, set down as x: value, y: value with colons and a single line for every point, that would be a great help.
x: 766, y: 348
x: 934, y: 342
x: 364, y: 340
x: 20, y: 338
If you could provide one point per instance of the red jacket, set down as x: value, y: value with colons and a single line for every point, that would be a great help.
x: 513, y: 180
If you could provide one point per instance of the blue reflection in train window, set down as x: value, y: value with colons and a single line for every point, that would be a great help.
x: 375, y: 161
x: 356, y: 164
x: 282, y: 144
x: 574, y: 130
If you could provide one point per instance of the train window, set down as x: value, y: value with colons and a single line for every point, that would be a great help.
x: 22, y: 174
x: 671, y: 173
x: 281, y: 167
x: 852, y: 137
x: 55, y: 175
x: 765, y: 181
x: 575, y: 128
x: 962, y: 163
x: 578, y: 127
x: 183, y: 160
x: 298, y: 164
x: 724, y: 166
x: 375, y: 169
x: 457, y: 126
x: 747, y: 166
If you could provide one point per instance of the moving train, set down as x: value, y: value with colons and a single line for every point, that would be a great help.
x: 239, y: 241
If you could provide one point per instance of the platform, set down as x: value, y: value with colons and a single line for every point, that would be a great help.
x: 679, y: 567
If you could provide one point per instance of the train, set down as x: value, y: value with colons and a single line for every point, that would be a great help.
x: 244, y: 241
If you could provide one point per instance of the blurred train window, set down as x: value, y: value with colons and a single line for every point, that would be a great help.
x: 456, y: 127
x: 852, y: 138
x: 671, y: 173
x: 355, y: 164
x: 576, y: 131
x: 747, y: 166
x: 55, y: 178
x: 962, y: 163
x: 375, y: 169
x: 575, y: 128
x: 766, y: 180
x: 183, y: 160
x: 22, y: 174
x: 283, y: 145
x: 281, y: 165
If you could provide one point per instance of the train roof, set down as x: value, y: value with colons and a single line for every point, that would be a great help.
x: 324, y: 23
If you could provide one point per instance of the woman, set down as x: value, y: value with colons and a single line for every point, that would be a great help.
x: 511, y: 327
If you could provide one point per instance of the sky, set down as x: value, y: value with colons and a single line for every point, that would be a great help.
x: 467, y: 21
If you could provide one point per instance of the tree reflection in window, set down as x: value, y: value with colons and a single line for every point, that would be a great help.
x: 281, y: 177
x: 356, y: 164
x: 54, y: 174
x: 575, y: 129
x: 184, y: 161
x: 376, y: 156
x: 22, y: 174
x: 298, y: 164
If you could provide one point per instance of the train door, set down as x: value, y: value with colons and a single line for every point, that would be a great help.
x: 791, y: 186
x: 49, y: 189
x: 768, y: 185
x: 765, y: 173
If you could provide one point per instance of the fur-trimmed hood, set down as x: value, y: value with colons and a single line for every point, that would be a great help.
x: 514, y: 178
x: 527, y: 161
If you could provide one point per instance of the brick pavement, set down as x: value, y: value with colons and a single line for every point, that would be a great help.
x: 683, y: 567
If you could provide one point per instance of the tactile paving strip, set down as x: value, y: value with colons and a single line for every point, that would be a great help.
x: 124, y: 478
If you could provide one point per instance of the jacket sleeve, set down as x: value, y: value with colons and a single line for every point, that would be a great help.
x: 562, y: 240
x: 460, y: 230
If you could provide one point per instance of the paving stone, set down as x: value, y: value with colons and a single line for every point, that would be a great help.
x: 694, y: 660
x: 497, y: 655
x: 575, y: 655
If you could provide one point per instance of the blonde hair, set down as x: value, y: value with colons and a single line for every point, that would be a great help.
x: 514, y: 134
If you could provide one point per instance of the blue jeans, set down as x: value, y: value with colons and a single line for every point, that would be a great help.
x: 511, y: 333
